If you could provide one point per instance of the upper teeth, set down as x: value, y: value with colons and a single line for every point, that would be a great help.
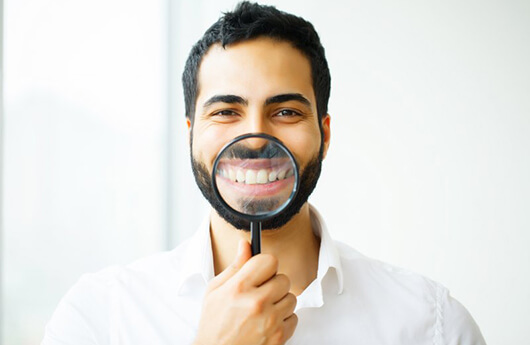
x: 262, y: 177
x: 250, y: 176
x: 240, y: 176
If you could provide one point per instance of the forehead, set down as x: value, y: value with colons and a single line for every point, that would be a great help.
x: 255, y: 69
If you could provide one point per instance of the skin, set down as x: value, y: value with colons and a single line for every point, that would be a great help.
x: 251, y: 300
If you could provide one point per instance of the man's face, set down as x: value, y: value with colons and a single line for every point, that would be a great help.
x: 257, y: 86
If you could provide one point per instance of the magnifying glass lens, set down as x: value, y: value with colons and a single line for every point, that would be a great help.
x: 255, y: 176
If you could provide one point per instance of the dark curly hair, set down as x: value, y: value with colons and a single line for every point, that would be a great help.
x: 248, y: 21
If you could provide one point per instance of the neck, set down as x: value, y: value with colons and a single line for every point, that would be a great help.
x: 294, y: 245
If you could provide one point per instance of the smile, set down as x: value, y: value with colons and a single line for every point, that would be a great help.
x: 256, y: 171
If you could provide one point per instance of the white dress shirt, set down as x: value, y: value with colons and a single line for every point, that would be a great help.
x: 353, y: 300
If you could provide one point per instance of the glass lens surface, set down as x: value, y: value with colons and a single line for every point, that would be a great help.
x: 255, y: 176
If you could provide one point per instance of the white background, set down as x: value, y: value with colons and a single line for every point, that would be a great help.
x: 428, y: 167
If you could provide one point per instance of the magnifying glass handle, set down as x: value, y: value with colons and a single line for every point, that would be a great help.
x: 255, y: 237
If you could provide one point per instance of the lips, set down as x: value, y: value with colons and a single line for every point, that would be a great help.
x: 279, y: 189
x: 255, y: 178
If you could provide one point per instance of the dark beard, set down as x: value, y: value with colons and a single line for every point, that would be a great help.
x: 308, y: 182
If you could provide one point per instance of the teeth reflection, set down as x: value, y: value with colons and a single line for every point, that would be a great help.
x: 232, y: 175
x: 262, y: 177
x: 240, y: 176
x: 250, y: 177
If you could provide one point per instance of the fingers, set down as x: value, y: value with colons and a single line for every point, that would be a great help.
x: 257, y: 270
x: 249, y: 292
x: 275, y: 288
x: 244, y: 253
x: 285, y: 307
x: 289, y: 325
x: 284, y: 332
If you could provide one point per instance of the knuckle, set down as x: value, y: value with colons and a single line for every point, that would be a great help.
x: 279, y: 336
x: 294, y: 320
x: 270, y: 260
x: 271, y: 323
x: 257, y: 306
x: 274, y: 262
x: 292, y: 298
x: 239, y: 287
x: 284, y: 280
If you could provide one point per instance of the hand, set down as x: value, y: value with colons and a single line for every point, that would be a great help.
x: 248, y: 303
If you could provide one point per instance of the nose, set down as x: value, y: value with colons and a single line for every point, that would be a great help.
x: 257, y: 122
x: 255, y: 143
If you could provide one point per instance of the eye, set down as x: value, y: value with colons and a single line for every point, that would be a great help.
x: 225, y: 112
x: 287, y: 113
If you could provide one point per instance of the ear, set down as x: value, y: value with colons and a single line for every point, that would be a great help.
x: 188, y: 123
x: 327, y: 133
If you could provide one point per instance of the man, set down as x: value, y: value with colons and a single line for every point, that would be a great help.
x: 259, y: 70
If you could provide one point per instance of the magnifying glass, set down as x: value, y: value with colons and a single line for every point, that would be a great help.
x: 255, y: 177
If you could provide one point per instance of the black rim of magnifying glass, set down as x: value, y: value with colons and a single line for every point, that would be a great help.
x: 249, y: 217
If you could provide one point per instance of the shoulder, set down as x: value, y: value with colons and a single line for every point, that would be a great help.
x: 84, y: 314
x: 155, y: 266
x: 367, y: 270
x: 457, y: 324
x: 149, y: 267
x: 411, y: 296
x: 385, y: 288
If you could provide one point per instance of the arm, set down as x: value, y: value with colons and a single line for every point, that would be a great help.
x: 457, y: 324
x: 81, y: 317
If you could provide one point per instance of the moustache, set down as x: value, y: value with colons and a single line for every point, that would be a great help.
x: 240, y: 151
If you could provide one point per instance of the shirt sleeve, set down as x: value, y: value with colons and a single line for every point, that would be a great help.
x: 458, y: 325
x: 81, y: 317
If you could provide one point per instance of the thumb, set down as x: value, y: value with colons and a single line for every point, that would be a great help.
x: 244, y: 253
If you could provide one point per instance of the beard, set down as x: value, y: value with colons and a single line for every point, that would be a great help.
x: 308, y: 181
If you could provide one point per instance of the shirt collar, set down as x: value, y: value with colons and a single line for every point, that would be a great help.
x: 329, y: 266
x: 199, y: 260
x: 328, y: 256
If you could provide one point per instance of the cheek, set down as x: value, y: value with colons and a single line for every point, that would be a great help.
x: 207, y: 143
x: 305, y: 144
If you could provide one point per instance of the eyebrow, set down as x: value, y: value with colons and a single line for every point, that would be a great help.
x: 288, y: 97
x: 225, y: 99
x: 233, y: 99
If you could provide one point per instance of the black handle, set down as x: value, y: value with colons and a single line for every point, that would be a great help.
x: 255, y: 237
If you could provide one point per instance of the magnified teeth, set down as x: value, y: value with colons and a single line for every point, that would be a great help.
x: 262, y: 177
x: 232, y: 175
x: 250, y: 177
x: 240, y: 176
